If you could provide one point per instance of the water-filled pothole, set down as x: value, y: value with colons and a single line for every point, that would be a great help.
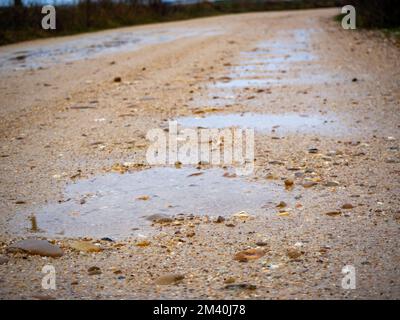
x: 116, y: 205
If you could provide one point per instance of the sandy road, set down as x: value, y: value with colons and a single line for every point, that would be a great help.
x: 66, y: 120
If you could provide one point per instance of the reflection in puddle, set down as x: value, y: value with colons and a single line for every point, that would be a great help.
x: 280, y: 123
x: 253, y: 67
x: 266, y: 80
x: 245, y: 83
x: 285, y: 56
x: 113, y: 204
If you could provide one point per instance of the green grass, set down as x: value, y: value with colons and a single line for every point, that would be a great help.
x: 339, y: 17
x: 393, y: 33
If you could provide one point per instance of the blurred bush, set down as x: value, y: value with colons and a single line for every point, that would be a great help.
x: 377, y: 13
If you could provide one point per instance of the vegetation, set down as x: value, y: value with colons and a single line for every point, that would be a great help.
x: 18, y: 22
x: 377, y: 14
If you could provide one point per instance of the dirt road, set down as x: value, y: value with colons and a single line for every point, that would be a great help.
x: 324, y: 103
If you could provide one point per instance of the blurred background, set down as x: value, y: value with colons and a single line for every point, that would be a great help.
x: 21, y: 19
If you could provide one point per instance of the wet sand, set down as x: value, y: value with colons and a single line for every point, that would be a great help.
x: 325, y: 106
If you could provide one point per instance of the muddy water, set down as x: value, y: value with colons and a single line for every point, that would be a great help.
x: 90, y: 46
x: 117, y: 205
x: 276, y: 123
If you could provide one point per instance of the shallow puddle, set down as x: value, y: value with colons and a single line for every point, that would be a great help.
x: 266, y: 80
x: 245, y: 83
x: 278, y: 62
x: 278, y: 57
x: 280, y: 123
x: 114, y: 205
x: 91, y: 46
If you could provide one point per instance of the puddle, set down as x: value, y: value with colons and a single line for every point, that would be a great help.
x: 289, y: 61
x: 256, y: 67
x: 280, y: 123
x: 286, y: 56
x: 245, y: 83
x: 91, y: 46
x: 258, y: 80
x: 108, y: 205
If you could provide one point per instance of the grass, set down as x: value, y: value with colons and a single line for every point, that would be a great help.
x: 393, y: 33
